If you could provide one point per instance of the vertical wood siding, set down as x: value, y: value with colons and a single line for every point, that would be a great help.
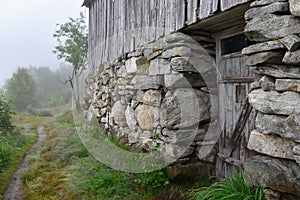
x: 120, y: 26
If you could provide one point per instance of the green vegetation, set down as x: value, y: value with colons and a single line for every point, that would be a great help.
x: 21, y: 88
x: 18, y: 142
x: 230, y: 188
x: 39, y: 86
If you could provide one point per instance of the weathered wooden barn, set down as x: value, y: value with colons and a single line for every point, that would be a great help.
x: 117, y: 27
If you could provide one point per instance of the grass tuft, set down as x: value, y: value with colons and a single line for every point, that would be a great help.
x: 230, y: 188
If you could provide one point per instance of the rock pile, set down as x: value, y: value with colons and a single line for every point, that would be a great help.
x: 275, y: 27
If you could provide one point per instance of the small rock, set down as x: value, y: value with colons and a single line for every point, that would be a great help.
x: 291, y: 42
x: 267, y: 83
x: 261, y: 47
x: 254, y: 85
x: 284, y: 85
x: 292, y: 58
x: 271, y: 195
x: 271, y: 145
x: 265, y: 57
x: 140, y: 95
x: 295, y: 7
x: 296, y: 150
x: 133, y: 136
x: 159, y: 67
x: 293, y: 122
x: 142, y: 66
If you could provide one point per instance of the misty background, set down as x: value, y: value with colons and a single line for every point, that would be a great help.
x: 26, y: 29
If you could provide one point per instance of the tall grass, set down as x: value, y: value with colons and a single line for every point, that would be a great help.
x: 230, y: 188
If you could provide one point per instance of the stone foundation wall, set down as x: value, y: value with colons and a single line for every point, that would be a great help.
x: 275, y: 27
x: 154, y: 99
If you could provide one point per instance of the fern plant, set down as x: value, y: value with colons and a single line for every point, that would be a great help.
x: 230, y: 188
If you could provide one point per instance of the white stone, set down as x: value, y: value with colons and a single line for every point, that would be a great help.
x: 131, y: 66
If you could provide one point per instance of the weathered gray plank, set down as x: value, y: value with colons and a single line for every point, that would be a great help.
x: 161, y: 12
x: 227, y: 4
x: 180, y: 14
x: 207, y: 8
x: 192, y: 8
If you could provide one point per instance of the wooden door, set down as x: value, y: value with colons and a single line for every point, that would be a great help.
x: 235, y: 78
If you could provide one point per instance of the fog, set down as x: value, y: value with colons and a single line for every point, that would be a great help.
x: 26, y: 28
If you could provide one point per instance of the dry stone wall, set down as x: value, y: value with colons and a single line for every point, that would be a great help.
x: 155, y: 100
x: 275, y: 27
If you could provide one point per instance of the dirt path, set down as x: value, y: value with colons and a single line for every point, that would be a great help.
x: 14, y: 189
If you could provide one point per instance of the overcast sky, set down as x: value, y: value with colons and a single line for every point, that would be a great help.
x: 26, y: 28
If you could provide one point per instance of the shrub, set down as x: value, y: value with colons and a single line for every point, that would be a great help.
x: 230, y: 188
x: 6, y: 112
x: 153, y: 180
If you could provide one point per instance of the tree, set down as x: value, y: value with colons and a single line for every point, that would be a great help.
x: 21, y: 88
x: 72, y: 39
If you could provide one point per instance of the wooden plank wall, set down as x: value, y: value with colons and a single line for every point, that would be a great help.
x: 120, y: 26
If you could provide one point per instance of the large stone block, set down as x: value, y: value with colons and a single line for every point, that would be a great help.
x: 276, y: 7
x: 185, y: 108
x: 261, y: 47
x: 118, y: 114
x: 292, y: 58
x: 260, y: 3
x: 295, y: 7
x: 271, y: 145
x: 148, y: 82
x: 284, y: 85
x: 130, y: 119
x: 159, y: 67
x: 276, y: 174
x: 273, y: 102
x: 279, y: 71
x: 147, y: 116
x: 152, y: 97
x: 277, y: 125
x: 265, y: 57
x: 270, y: 27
